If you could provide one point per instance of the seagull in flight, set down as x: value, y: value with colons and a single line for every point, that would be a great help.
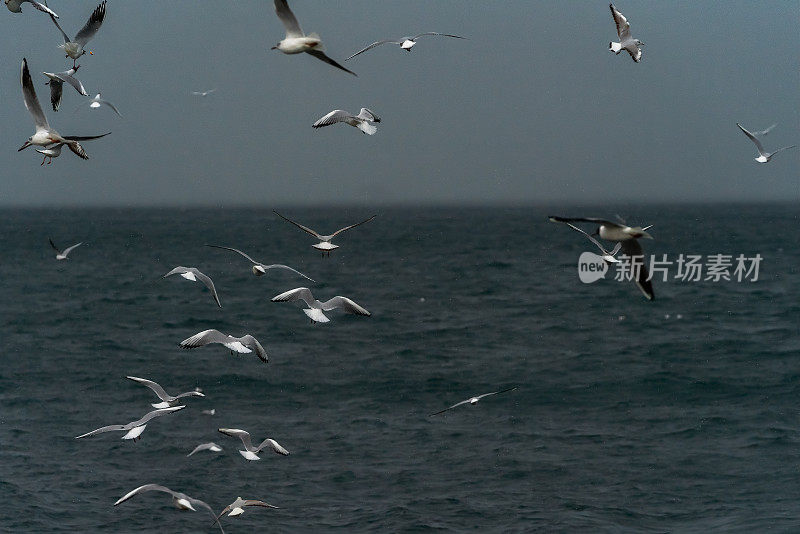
x: 237, y: 507
x: 316, y: 308
x: 629, y: 237
x: 62, y: 254
x: 203, y: 93
x: 96, y: 102
x: 627, y: 43
x: 45, y: 136
x: 243, y: 345
x: 473, y: 400
x: 15, y: 7
x: 167, y: 399
x: 363, y: 121
x: 134, y: 428
x: 325, y: 244
x: 210, y: 446
x: 406, y: 43
x: 75, y: 48
x: 54, y: 151
x: 259, y: 268
x: 56, y: 84
x: 193, y: 274
x: 761, y: 133
x: 763, y: 155
x: 250, y: 452
x: 181, y: 501
x: 296, y: 41
x: 606, y: 255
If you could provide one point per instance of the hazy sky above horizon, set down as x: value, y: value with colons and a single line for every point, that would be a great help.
x: 532, y: 108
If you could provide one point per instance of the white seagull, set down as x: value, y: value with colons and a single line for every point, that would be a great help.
x: 62, y: 254
x: 75, y: 48
x: 134, y: 428
x: 212, y: 411
x: 259, y: 268
x: 629, y: 237
x: 193, y: 274
x: 761, y: 133
x: 627, y: 43
x: 296, y: 41
x: 45, y: 135
x: 210, y: 446
x: 181, y: 501
x: 363, y: 121
x: 56, y: 84
x: 203, y: 93
x: 243, y: 345
x: 15, y: 7
x: 325, y: 244
x: 406, y: 43
x: 608, y: 256
x: 316, y: 308
x: 763, y: 156
x: 250, y: 452
x: 96, y: 102
x: 473, y: 400
x: 167, y: 399
x: 237, y: 507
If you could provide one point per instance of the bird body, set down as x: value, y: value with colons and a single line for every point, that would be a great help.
x: 250, y: 452
x: 193, y: 274
x: 167, y: 399
x: 406, y: 43
x: 237, y: 507
x: 325, y: 244
x: 56, y: 84
x: 63, y: 254
x: 260, y: 269
x: 210, y: 446
x: 363, y: 121
x: 473, y: 400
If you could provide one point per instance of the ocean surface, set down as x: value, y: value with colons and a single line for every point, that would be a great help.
x: 677, y: 415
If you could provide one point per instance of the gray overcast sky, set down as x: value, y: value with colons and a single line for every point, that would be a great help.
x: 533, y: 108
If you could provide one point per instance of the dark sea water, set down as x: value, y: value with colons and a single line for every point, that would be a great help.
x: 678, y: 415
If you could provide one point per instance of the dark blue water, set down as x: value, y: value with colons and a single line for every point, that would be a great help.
x: 678, y: 415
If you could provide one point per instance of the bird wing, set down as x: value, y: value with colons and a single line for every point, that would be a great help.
x: 288, y: 19
x: 69, y: 249
x: 449, y: 407
x: 209, y: 284
x: 337, y: 115
x: 496, y: 392
x: 109, y: 104
x: 238, y: 433
x: 304, y: 228
x: 631, y: 247
x: 77, y: 149
x: 53, y: 245
x: 74, y: 82
x: 592, y: 239
x: 92, y: 25
x: 623, y: 27
x: 274, y: 445
x: 203, y: 447
x: 144, y: 488
x: 253, y: 502
x: 752, y: 137
x: 252, y: 343
x: 151, y: 415
x: 368, y: 115
x: 66, y: 37
x: 157, y: 389
x: 300, y: 293
x: 204, y: 338
x: 42, y: 8
x: 56, y: 90
x: 346, y: 305
x: 319, y: 54
x: 765, y: 132
x: 280, y: 266
x: 340, y: 230
x: 635, y: 52
x: 31, y: 101
x: 108, y: 428
x: 84, y: 137
x: 555, y: 218
x: 237, y: 251
x: 373, y: 45
x: 784, y: 148
x: 436, y: 33
x: 177, y: 270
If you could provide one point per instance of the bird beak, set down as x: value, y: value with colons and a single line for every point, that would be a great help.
x: 23, y: 147
x: 274, y: 48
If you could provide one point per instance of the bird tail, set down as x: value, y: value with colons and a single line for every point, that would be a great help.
x: 315, y: 35
x: 615, y: 47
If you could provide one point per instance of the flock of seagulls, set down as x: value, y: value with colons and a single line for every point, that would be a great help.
x: 296, y: 41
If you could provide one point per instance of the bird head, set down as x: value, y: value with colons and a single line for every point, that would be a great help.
x: 26, y: 145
